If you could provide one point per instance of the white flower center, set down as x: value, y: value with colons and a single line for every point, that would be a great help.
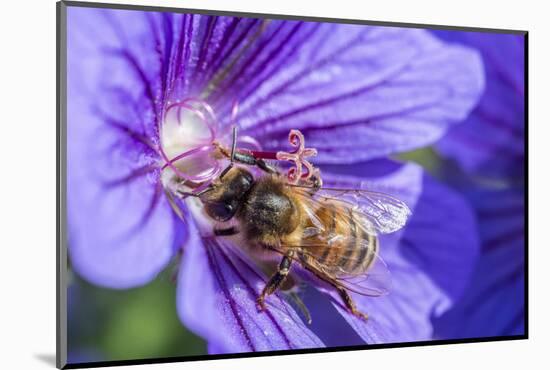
x: 184, y: 131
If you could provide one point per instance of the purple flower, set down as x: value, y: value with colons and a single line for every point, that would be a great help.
x: 491, y: 142
x: 358, y: 93
x: 490, y: 149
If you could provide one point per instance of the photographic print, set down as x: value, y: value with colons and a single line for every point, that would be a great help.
x: 242, y: 183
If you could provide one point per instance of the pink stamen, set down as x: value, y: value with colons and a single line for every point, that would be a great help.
x: 197, y: 178
x: 264, y: 155
x: 207, y: 107
x: 211, y: 123
x: 297, y: 157
x: 296, y: 173
x: 188, y: 153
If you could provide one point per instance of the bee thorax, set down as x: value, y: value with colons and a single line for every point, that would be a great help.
x: 268, y: 215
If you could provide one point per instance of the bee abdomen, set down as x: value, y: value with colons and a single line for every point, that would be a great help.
x: 361, y: 248
x: 328, y: 255
x: 364, y: 254
x: 350, y: 248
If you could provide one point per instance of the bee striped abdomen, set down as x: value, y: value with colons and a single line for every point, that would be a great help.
x: 361, y: 249
x: 352, y: 245
x: 343, y: 245
x: 331, y: 213
x: 329, y: 250
x: 365, y: 254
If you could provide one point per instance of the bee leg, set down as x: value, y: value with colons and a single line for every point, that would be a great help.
x: 308, y: 263
x: 301, y: 305
x: 226, y: 170
x: 226, y: 232
x: 350, y: 304
x: 276, y: 280
x: 265, y: 167
x: 316, y: 183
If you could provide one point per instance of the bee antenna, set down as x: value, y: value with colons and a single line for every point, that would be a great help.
x: 192, y: 194
x: 234, y: 144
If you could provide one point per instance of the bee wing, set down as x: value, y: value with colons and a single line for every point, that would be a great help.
x: 340, y: 244
x: 371, y: 278
x: 374, y: 282
x: 383, y: 213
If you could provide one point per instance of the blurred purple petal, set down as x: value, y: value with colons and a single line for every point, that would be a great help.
x: 442, y: 237
x: 217, y: 293
x: 490, y: 142
x: 494, y: 304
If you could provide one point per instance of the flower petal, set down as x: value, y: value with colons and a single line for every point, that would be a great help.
x: 402, y: 316
x: 378, y: 90
x: 122, y: 231
x: 372, y: 90
x: 430, y: 260
x: 494, y: 304
x: 326, y: 321
x: 491, y: 141
x: 442, y: 237
x: 217, y: 291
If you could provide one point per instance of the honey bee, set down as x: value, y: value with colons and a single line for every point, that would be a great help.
x: 331, y: 233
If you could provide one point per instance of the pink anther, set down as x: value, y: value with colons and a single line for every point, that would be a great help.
x: 296, y: 173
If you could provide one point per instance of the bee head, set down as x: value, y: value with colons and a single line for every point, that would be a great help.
x: 223, y: 201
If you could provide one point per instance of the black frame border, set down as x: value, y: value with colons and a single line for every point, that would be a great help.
x: 61, y: 172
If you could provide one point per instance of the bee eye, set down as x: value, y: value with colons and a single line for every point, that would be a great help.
x: 221, y: 211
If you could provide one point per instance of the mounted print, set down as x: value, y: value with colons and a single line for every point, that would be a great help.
x: 236, y: 184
